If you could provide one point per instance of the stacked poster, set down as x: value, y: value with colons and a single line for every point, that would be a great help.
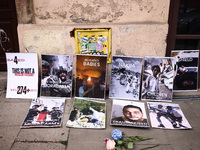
x: 167, y: 116
x: 157, y: 79
x: 44, y: 113
x: 186, y: 71
x: 129, y: 113
x: 125, y: 77
x: 56, y: 77
x: 22, y: 75
x: 90, y: 76
x: 87, y: 114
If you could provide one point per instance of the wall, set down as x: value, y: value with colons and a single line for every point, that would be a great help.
x: 139, y: 27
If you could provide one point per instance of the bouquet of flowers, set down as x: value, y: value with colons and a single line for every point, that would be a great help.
x: 120, y: 140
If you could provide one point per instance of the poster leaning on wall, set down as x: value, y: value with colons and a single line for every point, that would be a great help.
x: 125, y: 77
x: 22, y: 75
x: 44, y: 113
x: 157, y: 81
x: 186, y: 70
x: 90, y: 76
x: 56, y: 77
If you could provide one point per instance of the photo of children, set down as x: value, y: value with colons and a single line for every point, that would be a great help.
x: 56, y: 78
x: 129, y: 113
x: 158, y: 78
x: 90, y: 76
x: 167, y: 116
x: 44, y: 113
x: 125, y: 77
x: 87, y: 114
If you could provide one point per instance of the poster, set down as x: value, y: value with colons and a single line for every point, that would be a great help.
x: 186, y: 71
x: 44, y: 113
x: 129, y: 113
x: 167, y: 116
x: 157, y: 81
x: 93, y: 42
x: 87, y: 114
x: 125, y: 77
x: 90, y: 76
x: 56, y: 78
x: 22, y: 75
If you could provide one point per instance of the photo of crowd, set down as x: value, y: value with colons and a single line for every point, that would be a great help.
x: 125, y: 77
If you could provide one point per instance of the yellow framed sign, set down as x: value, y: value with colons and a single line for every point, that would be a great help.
x: 93, y: 42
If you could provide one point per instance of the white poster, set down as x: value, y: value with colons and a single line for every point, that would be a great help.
x: 22, y: 75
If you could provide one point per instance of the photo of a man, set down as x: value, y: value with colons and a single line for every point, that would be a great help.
x: 129, y: 113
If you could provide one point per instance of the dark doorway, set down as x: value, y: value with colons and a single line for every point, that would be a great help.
x: 8, y: 31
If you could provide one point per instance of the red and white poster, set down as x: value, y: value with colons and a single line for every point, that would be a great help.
x: 22, y: 75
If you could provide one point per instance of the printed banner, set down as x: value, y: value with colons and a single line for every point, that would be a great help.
x: 167, y: 116
x: 87, y: 114
x: 158, y: 75
x: 22, y: 75
x: 125, y: 77
x: 56, y: 78
x: 129, y: 113
x: 90, y: 76
x: 44, y: 113
x: 186, y: 71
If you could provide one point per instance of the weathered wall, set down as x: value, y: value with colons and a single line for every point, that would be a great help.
x: 139, y: 27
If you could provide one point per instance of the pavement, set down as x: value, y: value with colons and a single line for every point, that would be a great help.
x: 13, y: 112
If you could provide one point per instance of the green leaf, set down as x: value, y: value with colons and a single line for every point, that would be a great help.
x: 130, y: 145
x: 117, y: 148
x: 120, y: 142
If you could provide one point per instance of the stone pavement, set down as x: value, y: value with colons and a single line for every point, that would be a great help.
x: 13, y: 112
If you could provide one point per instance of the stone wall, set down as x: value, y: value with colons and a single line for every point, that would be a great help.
x: 139, y: 27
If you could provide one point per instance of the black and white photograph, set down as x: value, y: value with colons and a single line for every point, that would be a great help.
x: 87, y: 114
x: 56, y: 77
x: 186, y: 70
x: 44, y: 113
x: 167, y: 116
x: 129, y: 113
x: 157, y: 80
x: 125, y: 77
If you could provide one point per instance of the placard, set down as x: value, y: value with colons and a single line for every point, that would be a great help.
x: 56, y: 78
x: 125, y: 77
x: 186, y: 71
x: 90, y: 76
x: 167, y: 116
x: 22, y: 75
x: 129, y: 113
x: 157, y: 82
x: 87, y: 114
x: 44, y: 113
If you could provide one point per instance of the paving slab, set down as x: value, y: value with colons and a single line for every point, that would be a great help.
x: 37, y: 146
x: 13, y: 112
x: 7, y: 136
